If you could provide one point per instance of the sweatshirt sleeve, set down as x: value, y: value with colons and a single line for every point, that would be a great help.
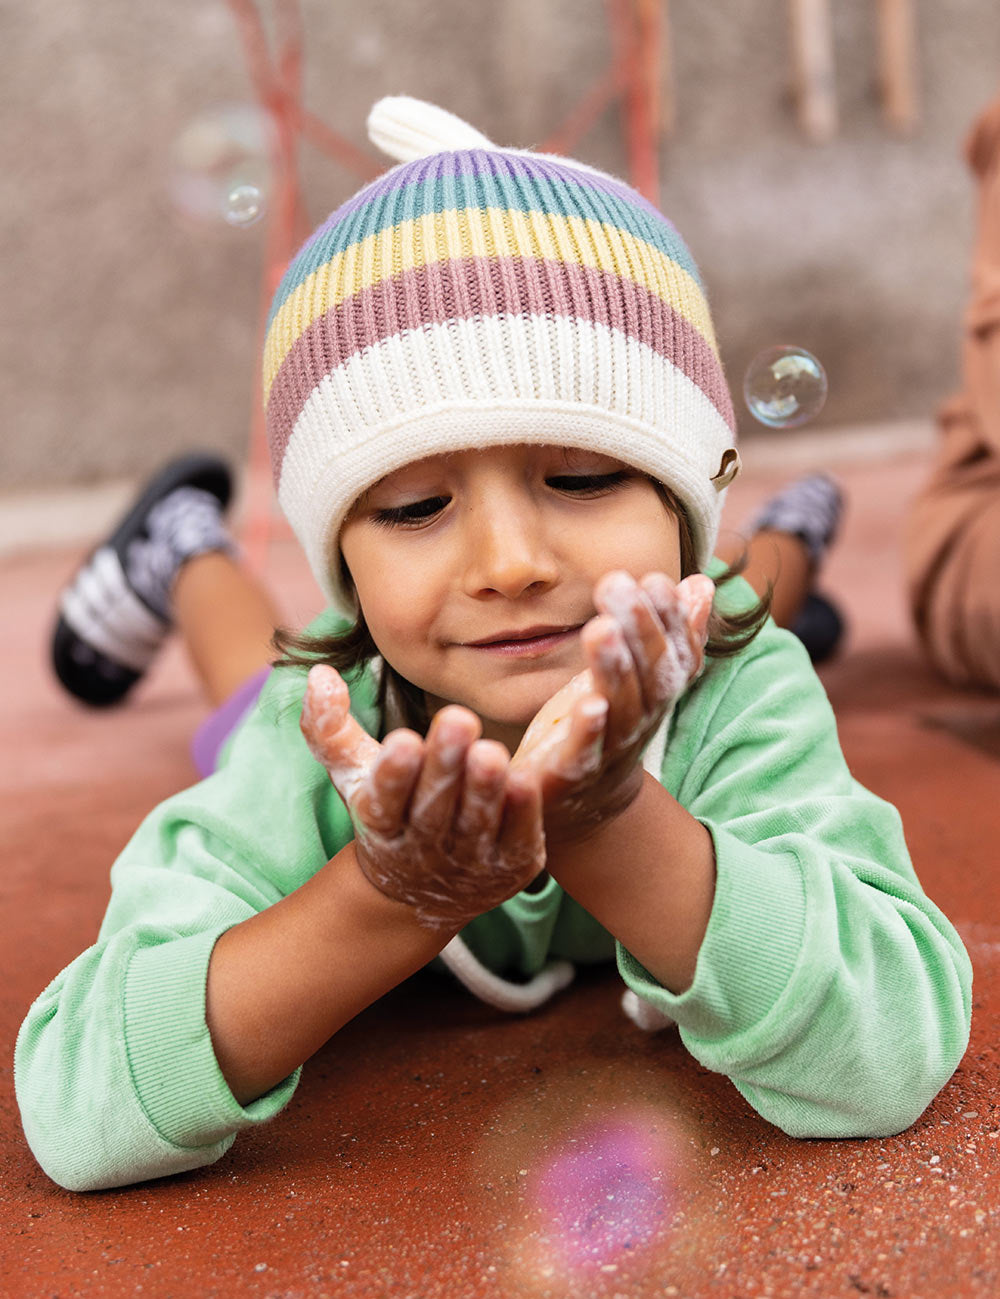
x: 828, y: 987
x: 114, y: 1070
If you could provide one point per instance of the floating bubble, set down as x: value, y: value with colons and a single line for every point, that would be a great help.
x: 219, y: 167
x: 784, y: 386
x: 604, y: 1196
x: 244, y: 205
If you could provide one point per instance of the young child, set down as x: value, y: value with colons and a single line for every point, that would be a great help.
x: 533, y: 733
x: 952, y: 537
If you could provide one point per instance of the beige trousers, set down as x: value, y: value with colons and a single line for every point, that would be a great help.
x: 952, y: 539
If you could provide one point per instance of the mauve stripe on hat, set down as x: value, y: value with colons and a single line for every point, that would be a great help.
x: 477, y: 180
x: 482, y: 286
x: 571, y: 241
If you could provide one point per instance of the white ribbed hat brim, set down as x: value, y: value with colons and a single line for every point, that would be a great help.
x: 568, y: 382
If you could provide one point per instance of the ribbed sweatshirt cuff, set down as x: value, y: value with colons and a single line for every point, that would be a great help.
x: 174, y: 1070
x: 751, y: 947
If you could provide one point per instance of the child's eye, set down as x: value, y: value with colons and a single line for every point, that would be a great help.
x: 417, y: 512
x: 581, y: 483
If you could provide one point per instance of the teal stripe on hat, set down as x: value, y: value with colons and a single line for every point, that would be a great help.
x: 525, y: 185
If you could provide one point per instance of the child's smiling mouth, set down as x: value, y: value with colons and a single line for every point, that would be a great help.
x: 529, y: 642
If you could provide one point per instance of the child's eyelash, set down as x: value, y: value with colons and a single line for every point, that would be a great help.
x: 415, y: 513
x: 590, y: 482
x: 418, y: 511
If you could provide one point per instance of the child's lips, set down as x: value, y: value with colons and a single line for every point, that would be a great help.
x: 530, y: 646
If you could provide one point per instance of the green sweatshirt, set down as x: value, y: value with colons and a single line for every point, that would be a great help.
x: 828, y: 988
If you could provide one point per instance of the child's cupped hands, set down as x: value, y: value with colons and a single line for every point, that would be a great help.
x: 443, y: 823
x: 643, y: 649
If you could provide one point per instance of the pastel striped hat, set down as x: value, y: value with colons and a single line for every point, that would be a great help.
x: 475, y: 296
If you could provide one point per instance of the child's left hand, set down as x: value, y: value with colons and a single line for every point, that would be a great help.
x: 643, y: 649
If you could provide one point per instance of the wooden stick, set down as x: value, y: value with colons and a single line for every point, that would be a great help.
x: 812, y: 64
x: 668, y: 83
x: 897, y: 46
x: 651, y: 21
x: 277, y: 83
x: 640, y: 17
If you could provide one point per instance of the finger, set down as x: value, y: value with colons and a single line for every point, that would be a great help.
x: 334, y: 737
x: 551, y: 715
x: 698, y: 592
x: 677, y: 665
x: 452, y: 731
x: 481, y: 805
x: 700, y: 599
x: 381, y: 802
x: 687, y: 608
x: 692, y: 598
x: 578, y: 755
x: 670, y: 602
x: 613, y: 671
x: 628, y: 602
x: 521, y: 840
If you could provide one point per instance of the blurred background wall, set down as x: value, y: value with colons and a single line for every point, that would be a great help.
x: 128, y: 331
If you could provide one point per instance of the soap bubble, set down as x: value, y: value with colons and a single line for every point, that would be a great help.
x: 244, y: 205
x: 219, y: 168
x: 605, y: 1195
x: 784, y: 386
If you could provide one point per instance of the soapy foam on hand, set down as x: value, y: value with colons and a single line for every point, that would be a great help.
x: 455, y: 891
x: 325, y: 717
x: 551, y: 724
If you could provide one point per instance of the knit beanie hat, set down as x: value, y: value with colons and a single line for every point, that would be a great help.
x: 476, y: 296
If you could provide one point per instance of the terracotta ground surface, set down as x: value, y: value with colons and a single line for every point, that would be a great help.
x: 438, y: 1148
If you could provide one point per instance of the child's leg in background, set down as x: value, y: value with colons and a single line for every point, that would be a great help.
x: 777, y: 560
x: 952, y: 542
x: 226, y: 619
x: 788, y: 539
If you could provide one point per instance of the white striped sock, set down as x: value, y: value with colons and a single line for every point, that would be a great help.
x: 103, y: 610
x: 186, y: 523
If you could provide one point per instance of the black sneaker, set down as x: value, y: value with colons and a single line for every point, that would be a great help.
x: 106, y: 635
x: 819, y: 626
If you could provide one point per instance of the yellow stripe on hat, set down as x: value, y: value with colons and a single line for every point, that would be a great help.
x: 478, y: 232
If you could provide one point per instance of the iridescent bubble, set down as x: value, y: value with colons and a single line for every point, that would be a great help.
x: 219, y: 161
x: 604, y: 1196
x: 244, y: 205
x: 784, y: 386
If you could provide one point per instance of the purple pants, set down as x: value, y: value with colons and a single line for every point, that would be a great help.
x: 216, y: 729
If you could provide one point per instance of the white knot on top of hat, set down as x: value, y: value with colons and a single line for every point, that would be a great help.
x: 407, y: 129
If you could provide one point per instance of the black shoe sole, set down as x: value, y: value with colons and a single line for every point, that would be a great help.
x: 819, y: 626
x: 82, y: 669
x: 196, y: 470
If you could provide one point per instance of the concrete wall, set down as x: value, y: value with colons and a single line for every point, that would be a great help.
x: 127, y: 332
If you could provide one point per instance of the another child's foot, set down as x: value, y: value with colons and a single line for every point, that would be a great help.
x: 115, y: 613
x: 810, y: 509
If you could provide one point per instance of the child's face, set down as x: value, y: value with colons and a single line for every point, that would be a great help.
x: 481, y: 546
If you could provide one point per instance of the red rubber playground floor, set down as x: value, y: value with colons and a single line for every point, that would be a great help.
x: 439, y: 1148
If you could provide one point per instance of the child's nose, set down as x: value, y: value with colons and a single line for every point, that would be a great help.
x: 507, y: 550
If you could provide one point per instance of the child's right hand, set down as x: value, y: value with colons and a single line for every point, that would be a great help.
x: 586, y: 742
x: 443, y: 823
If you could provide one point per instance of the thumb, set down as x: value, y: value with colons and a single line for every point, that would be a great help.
x: 334, y: 737
x: 697, y: 593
